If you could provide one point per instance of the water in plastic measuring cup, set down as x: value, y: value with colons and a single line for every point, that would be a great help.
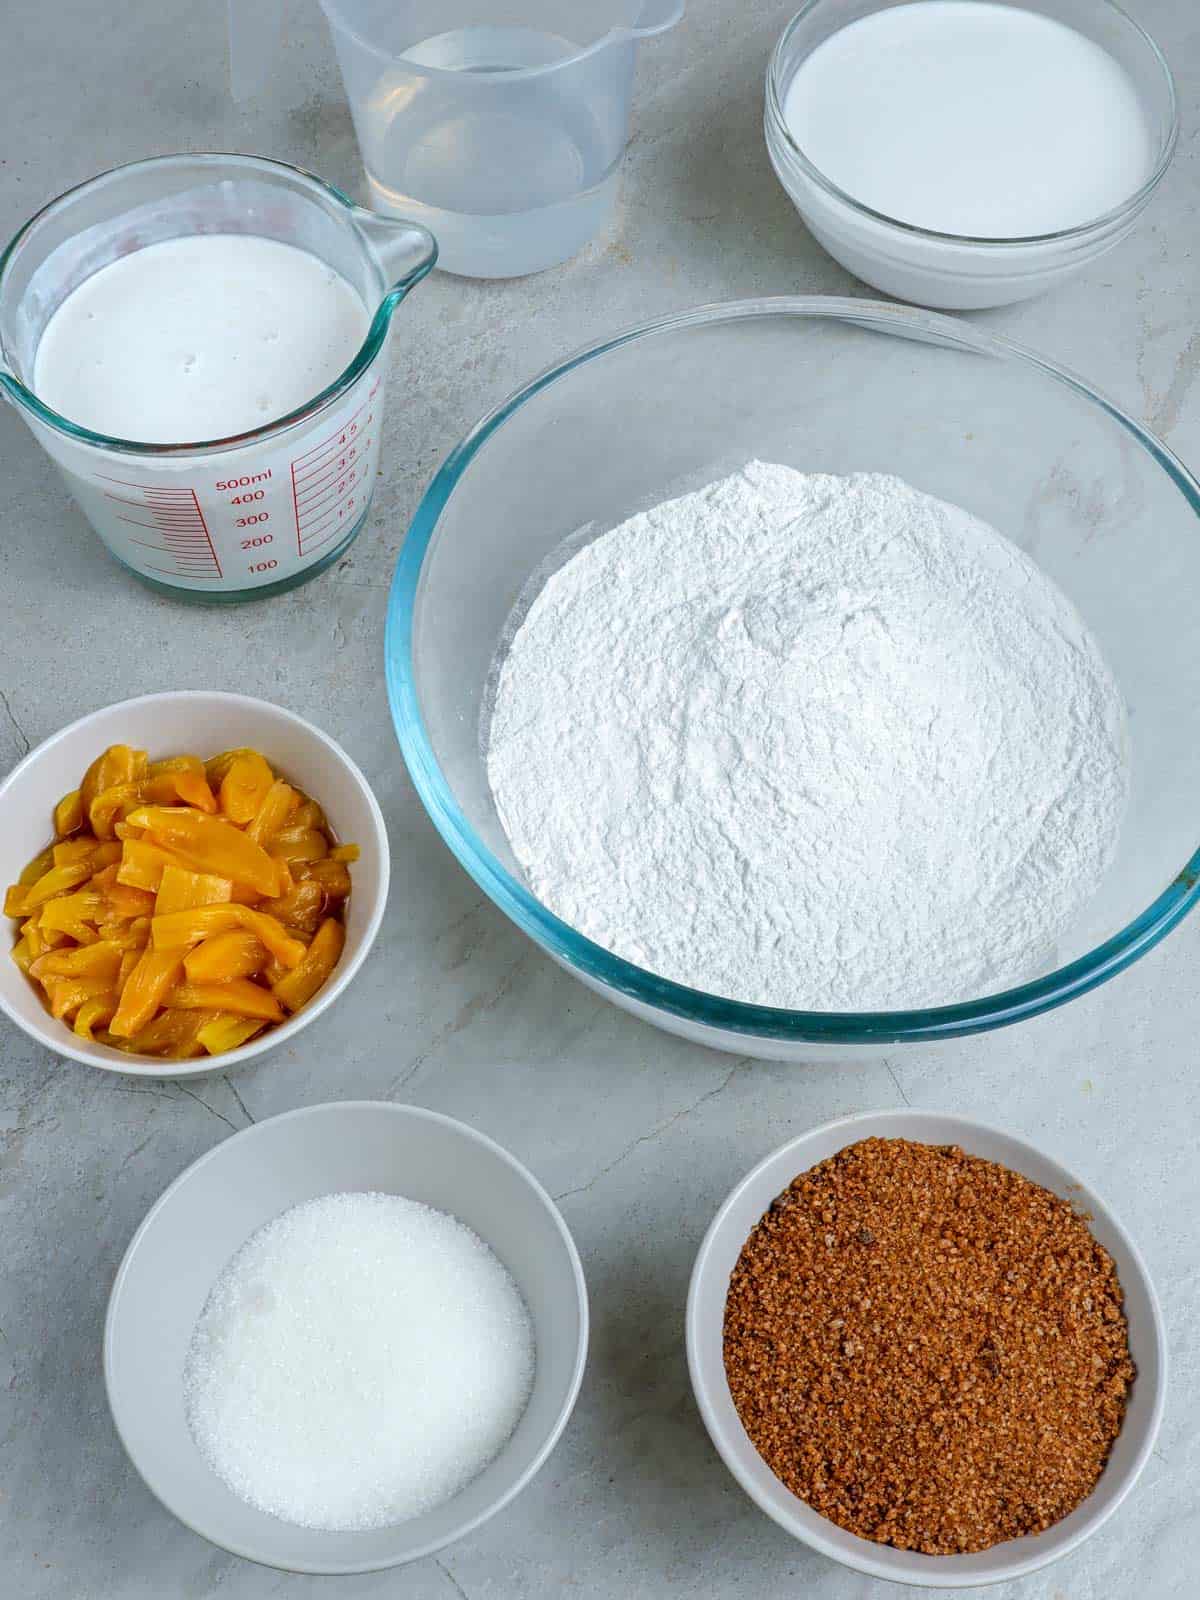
x: 500, y: 125
x: 507, y: 179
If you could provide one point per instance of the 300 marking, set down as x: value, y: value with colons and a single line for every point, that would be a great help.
x: 255, y: 516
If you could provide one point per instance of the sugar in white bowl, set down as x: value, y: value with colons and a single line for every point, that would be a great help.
x: 360, y: 1359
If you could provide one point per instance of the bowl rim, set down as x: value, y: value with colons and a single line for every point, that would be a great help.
x: 777, y: 126
x: 343, y: 973
x: 898, y: 1122
x: 375, y: 1108
x: 593, y: 961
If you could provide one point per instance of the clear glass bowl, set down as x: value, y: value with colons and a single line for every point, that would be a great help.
x: 945, y: 269
x: 823, y: 385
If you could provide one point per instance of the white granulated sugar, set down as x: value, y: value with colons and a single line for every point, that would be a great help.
x: 359, y: 1360
x: 810, y: 741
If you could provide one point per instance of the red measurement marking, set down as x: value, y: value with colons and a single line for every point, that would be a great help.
x: 326, y: 479
x: 313, y: 486
x: 174, y: 572
x: 336, y: 491
x: 174, y: 514
x: 333, y: 512
x: 334, y: 533
x: 296, y: 514
x: 342, y: 434
x: 144, y: 488
x: 207, y: 535
x: 124, y: 500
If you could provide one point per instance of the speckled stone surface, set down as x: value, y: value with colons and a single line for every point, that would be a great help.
x: 640, y: 1135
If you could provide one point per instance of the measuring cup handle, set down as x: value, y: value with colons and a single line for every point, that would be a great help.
x: 656, y: 16
x: 405, y: 250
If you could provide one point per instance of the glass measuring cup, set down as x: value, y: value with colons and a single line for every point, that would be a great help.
x: 258, y: 512
x: 499, y: 124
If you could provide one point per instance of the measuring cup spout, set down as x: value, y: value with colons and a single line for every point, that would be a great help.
x: 405, y: 251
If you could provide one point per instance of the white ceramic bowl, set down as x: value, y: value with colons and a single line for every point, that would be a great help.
x: 202, y: 722
x: 208, y: 1212
x: 718, y: 1255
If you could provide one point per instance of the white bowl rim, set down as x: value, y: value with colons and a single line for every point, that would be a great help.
x: 886, y: 1123
x: 153, y: 1066
x: 376, y: 1107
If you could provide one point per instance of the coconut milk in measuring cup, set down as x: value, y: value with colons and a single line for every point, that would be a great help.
x: 253, y: 508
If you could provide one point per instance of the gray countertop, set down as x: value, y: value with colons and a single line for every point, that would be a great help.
x: 638, y: 1133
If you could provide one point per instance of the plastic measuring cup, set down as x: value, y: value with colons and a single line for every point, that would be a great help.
x: 499, y: 124
x: 261, y: 511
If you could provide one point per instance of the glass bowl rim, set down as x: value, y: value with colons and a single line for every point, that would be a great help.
x: 592, y: 961
x: 372, y: 341
x: 778, y: 128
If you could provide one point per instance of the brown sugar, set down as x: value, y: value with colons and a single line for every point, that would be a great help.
x: 927, y: 1347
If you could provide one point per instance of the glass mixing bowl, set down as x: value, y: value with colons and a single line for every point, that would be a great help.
x: 823, y: 385
x: 950, y: 270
